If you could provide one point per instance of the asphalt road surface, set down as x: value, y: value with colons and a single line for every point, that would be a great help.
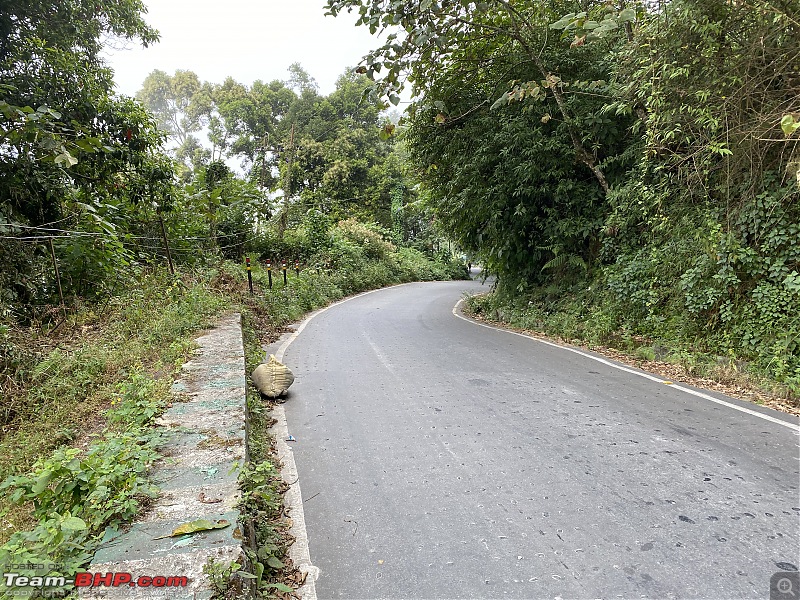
x: 442, y: 459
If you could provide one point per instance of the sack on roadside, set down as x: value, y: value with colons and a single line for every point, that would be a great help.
x: 272, y: 378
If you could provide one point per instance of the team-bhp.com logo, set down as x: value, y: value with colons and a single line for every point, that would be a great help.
x: 89, y: 580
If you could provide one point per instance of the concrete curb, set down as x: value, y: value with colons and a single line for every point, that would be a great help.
x: 197, y: 477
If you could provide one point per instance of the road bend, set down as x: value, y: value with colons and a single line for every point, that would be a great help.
x: 441, y: 459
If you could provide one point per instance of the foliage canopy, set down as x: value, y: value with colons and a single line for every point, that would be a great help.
x: 647, y: 151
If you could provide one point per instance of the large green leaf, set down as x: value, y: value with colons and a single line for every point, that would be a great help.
x: 198, y: 526
x: 73, y: 524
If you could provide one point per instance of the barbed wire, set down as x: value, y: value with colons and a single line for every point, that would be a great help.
x: 126, y: 236
x: 28, y: 238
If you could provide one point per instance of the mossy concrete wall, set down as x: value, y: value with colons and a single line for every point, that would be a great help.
x: 204, y: 450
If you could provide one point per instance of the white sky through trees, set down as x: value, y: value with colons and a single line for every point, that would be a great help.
x: 244, y: 39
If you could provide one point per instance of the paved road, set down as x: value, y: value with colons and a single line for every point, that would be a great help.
x: 441, y: 459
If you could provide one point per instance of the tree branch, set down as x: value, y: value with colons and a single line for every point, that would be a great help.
x: 583, y: 155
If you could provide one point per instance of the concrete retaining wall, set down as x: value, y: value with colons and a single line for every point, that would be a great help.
x: 197, y: 478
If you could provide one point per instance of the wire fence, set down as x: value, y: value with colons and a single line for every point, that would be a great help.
x: 162, y: 247
x: 65, y: 233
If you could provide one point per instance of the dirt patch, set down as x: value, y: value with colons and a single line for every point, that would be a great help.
x: 214, y: 441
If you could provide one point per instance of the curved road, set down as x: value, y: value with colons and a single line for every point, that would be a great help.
x: 441, y: 459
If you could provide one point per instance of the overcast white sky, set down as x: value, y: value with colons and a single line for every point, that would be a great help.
x: 246, y: 39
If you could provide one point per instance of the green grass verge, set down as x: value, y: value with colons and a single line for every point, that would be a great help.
x: 77, y: 436
x: 78, y: 441
x: 94, y: 360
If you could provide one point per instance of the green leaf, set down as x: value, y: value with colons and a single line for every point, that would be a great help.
x: 85, y: 145
x: 246, y: 575
x: 197, y: 526
x: 281, y: 587
x: 275, y: 562
x: 792, y: 282
x: 73, y: 524
x: 42, y: 482
x: 789, y: 125
x: 563, y: 21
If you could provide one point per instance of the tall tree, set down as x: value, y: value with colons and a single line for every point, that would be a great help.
x: 70, y: 150
x: 169, y: 98
x: 505, y: 182
x: 510, y: 129
x: 300, y: 80
x: 428, y: 35
x: 341, y: 155
x: 52, y: 85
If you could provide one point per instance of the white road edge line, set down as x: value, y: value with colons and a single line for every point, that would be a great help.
x: 299, y: 552
x: 456, y: 309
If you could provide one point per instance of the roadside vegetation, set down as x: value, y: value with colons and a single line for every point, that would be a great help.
x: 629, y: 171
x: 77, y: 432
x: 122, y: 236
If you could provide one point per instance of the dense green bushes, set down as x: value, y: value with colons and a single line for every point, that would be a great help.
x: 352, y: 256
x: 117, y: 372
x: 76, y: 493
x: 625, y: 172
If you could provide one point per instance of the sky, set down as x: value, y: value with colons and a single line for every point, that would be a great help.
x: 244, y: 39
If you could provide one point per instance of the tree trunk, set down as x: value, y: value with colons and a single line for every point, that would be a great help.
x: 583, y: 155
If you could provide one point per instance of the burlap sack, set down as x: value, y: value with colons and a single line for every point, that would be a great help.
x: 272, y: 378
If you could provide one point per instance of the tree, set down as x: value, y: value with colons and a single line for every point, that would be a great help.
x: 341, y: 155
x: 516, y: 172
x: 300, y: 80
x: 70, y: 151
x: 193, y: 154
x: 52, y: 81
x: 327, y: 151
x: 245, y: 115
x: 169, y: 98
x: 505, y: 183
x: 242, y: 121
x: 647, y: 152
x: 429, y: 35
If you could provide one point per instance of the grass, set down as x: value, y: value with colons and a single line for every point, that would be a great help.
x: 77, y: 399
x: 261, y: 482
x: 81, y: 369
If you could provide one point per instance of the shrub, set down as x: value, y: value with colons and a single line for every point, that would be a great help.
x: 371, y: 238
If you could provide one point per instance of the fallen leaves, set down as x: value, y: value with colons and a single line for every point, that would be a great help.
x: 196, y: 527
